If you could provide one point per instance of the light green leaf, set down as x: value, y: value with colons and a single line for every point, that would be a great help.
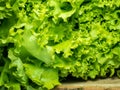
x: 42, y: 76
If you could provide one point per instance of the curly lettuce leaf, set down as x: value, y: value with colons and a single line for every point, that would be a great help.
x: 17, y: 68
x: 30, y: 44
x: 42, y: 76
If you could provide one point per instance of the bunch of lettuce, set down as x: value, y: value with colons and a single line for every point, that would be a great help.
x: 42, y: 41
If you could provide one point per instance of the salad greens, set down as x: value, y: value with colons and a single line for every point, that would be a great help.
x: 42, y: 41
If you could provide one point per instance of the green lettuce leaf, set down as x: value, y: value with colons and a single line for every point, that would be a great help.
x: 42, y: 76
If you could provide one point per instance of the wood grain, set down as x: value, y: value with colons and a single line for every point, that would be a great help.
x: 100, y: 84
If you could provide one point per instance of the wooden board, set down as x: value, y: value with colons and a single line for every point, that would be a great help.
x: 100, y: 84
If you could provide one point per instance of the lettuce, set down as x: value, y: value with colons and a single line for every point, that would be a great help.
x: 44, y: 41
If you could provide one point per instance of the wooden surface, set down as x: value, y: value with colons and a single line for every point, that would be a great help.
x: 101, y: 84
